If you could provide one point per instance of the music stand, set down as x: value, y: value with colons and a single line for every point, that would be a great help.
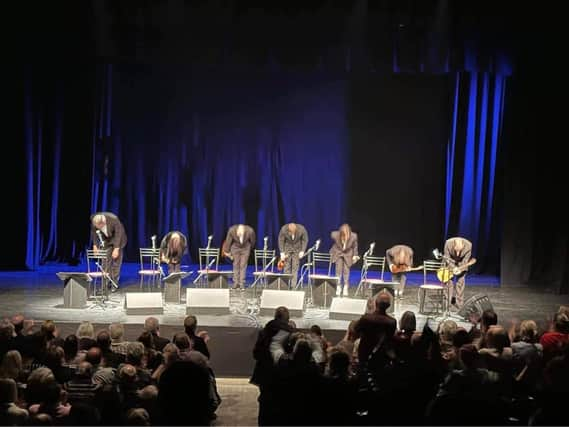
x: 173, y: 286
x: 76, y: 286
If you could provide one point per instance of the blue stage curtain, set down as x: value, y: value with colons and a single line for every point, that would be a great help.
x: 198, y: 153
x: 472, y: 158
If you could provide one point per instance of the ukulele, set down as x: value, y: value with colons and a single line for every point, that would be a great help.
x: 395, y: 269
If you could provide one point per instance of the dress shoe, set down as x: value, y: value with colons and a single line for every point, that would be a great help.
x: 338, y: 290
x: 345, y: 292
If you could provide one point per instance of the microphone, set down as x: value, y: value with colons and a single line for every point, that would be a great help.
x: 209, y: 240
x: 371, y: 246
x: 265, y: 239
x: 153, y: 238
x: 101, y: 241
x: 317, y: 245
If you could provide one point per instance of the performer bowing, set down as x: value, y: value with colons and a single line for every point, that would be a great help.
x: 172, y: 248
x: 344, y: 253
x: 400, y: 260
x: 293, y: 240
x: 107, y: 232
x: 458, y: 253
x: 237, y: 246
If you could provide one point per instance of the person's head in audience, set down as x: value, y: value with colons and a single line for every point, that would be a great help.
x: 302, y: 352
x: 38, y: 345
x: 339, y: 364
x: 382, y: 302
x: 489, y: 318
x: 117, y: 332
x: 182, y: 341
x: 152, y: 325
x: 408, y: 323
x: 84, y: 370
x: 49, y: 329
x: 171, y: 354
x: 528, y: 332
x: 563, y: 309
x: 497, y: 338
x: 137, y: 417
x: 18, y: 322
x: 469, y: 356
x: 93, y: 356
x: 7, y: 330
x: 38, y: 381
x: 55, y: 357
x: 71, y: 347
x: 460, y: 338
x: 135, y: 353
x: 190, y: 325
x: 447, y: 330
x: 147, y: 340
x: 282, y: 314
x: 85, y: 330
x: 11, y: 366
x: 127, y: 374
x: 561, y: 323
x: 316, y: 330
x: 104, y: 341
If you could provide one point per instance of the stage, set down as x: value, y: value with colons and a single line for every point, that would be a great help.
x: 39, y: 296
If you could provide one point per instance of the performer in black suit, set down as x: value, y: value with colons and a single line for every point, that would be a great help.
x: 107, y: 232
x: 238, y: 243
x: 293, y: 240
x: 172, y: 248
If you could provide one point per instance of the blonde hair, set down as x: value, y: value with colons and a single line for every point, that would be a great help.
x: 528, y: 330
x: 116, y: 330
x: 85, y: 330
x: 99, y: 219
x: 11, y: 365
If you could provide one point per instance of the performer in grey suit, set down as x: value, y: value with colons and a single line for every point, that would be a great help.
x: 458, y: 252
x: 237, y: 246
x: 344, y: 253
x: 399, y: 259
x: 108, y: 232
x: 293, y: 240
x: 172, y: 248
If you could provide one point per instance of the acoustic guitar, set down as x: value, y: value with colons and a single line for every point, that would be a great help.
x: 396, y: 269
x: 444, y: 274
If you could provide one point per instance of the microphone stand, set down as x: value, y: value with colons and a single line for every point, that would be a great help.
x: 306, y: 266
x: 204, y: 271
x: 263, y: 271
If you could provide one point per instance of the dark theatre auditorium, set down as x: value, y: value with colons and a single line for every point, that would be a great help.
x: 284, y: 212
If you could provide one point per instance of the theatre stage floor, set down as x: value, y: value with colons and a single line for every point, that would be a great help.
x: 39, y: 295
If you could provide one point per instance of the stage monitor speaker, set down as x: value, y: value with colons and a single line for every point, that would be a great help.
x: 347, y: 308
x: 271, y: 299
x: 476, y: 304
x: 144, y: 303
x: 207, y: 301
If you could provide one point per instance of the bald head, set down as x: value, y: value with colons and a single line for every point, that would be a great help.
x: 292, y: 228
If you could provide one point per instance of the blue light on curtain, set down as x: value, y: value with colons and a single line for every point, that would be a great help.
x: 472, y: 155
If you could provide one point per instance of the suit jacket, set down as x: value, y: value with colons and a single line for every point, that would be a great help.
x: 165, y: 250
x: 116, y: 235
x: 337, y: 250
x: 392, y: 252
x: 287, y: 244
x: 463, y: 256
x: 234, y: 246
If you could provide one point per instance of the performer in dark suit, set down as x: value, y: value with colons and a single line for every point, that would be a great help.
x: 172, y: 248
x: 399, y: 259
x: 237, y: 246
x: 293, y: 240
x: 107, y: 232
x: 458, y: 253
x: 344, y: 253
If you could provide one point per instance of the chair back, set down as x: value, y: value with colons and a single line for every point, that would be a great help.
x: 319, y: 258
x: 94, y: 257
x: 209, y: 258
x: 263, y: 258
x: 432, y: 266
x: 374, y: 263
x: 149, y: 260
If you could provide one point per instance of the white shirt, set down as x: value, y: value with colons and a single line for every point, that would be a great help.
x: 240, y: 233
x: 105, y: 231
x: 344, y: 246
x: 292, y: 236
